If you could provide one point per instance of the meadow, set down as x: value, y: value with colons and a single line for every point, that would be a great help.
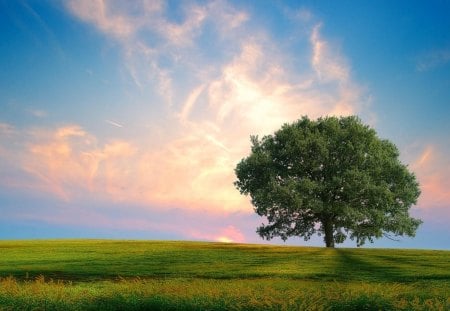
x: 165, y: 275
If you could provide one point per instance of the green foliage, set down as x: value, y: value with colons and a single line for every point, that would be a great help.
x: 332, y: 176
x: 140, y: 275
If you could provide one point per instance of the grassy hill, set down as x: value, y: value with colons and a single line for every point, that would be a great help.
x: 143, y: 275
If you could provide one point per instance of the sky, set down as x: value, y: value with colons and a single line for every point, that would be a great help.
x: 126, y: 119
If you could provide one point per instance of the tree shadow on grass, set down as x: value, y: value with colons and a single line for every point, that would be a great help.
x: 354, y: 266
x: 365, y: 266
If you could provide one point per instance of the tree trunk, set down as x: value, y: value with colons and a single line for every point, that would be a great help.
x: 329, y: 237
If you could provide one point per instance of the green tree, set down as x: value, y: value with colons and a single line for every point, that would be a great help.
x: 333, y: 177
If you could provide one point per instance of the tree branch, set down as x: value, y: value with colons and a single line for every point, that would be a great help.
x: 390, y: 237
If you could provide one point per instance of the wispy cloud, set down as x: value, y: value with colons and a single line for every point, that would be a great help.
x: 37, y: 113
x: 103, y: 15
x: 6, y: 129
x: 328, y: 65
x: 433, y: 59
x: 113, y: 123
x: 8, y: 135
x: 151, y: 40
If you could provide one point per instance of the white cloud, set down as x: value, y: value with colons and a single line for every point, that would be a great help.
x: 328, y: 65
x: 113, y: 123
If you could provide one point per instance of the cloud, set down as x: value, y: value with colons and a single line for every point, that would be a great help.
x: 158, y: 49
x: 433, y: 59
x: 151, y: 38
x: 191, y: 172
x: 125, y: 21
x: 37, y: 113
x: 104, y: 17
x: 113, y: 123
x: 11, y: 154
x: 60, y: 160
x: 66, y: 162
x: 218, y: 79
x: 190, y: 102
x: 249, y: 89
x: 331, y: 67
x: 328, y: 65
x: 433, y: 172
x: 6, y: 129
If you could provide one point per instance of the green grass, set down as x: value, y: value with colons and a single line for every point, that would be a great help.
x: 156, y: 275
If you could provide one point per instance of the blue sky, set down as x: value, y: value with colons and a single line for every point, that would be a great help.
x: 126, y: 119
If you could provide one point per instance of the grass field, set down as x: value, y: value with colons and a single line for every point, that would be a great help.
x: 162, y: 275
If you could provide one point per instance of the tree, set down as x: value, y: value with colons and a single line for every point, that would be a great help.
x: 333, y: 177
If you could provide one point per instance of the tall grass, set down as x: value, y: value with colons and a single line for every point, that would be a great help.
x: 121, y: 275
x: 207, y: 294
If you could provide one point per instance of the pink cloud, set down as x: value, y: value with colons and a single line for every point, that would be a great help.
x: 67, y: 161
x: 433, y: 172
x: 193, y: 171
x: 97, y: 12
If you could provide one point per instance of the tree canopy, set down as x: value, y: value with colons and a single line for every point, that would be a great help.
x: 331, y: 176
